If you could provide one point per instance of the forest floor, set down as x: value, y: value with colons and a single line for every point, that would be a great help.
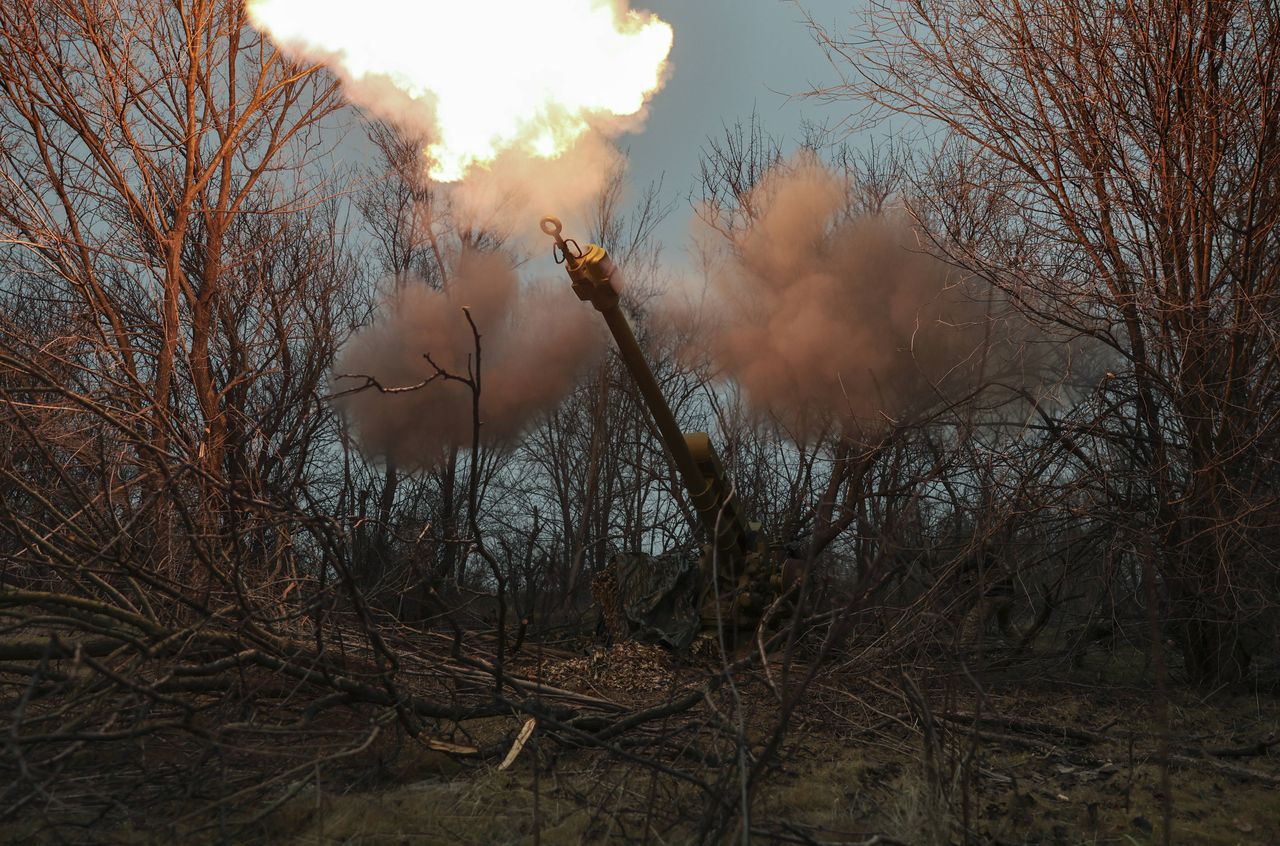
x: 1071, y: 756
x: 1040, y: 752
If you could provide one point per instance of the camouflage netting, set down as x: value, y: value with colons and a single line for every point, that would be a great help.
x: 658, y: 596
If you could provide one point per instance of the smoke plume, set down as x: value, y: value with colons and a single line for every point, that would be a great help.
x: 535, y: 342
x: 829, y: 319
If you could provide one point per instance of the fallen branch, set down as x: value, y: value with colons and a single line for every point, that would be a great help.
x: 1032, y: 726
x: 1233, y: 770
x: 1252, y: 750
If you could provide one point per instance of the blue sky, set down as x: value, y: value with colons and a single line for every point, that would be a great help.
x: 730, y: 57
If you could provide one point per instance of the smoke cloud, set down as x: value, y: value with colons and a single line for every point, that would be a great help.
x: 517, y: 189
x: 826, y: 319
x: 509, y: 95
x: 535, y: 342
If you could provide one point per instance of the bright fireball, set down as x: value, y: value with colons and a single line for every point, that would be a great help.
x: 488, y: 75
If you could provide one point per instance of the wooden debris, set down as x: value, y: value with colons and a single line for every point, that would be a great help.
x: 521, y: 740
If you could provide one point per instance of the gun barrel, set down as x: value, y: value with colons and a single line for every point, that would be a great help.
x: 592, y: 273
x: 740, y: 576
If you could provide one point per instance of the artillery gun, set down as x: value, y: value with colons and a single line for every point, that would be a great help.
x: 739, y: 573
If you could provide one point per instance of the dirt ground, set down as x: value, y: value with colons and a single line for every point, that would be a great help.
x: 1065, y: 757
x: 1035, y: 753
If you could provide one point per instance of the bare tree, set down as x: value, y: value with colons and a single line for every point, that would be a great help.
x: 153, y: 184
x: 1113, y: 166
